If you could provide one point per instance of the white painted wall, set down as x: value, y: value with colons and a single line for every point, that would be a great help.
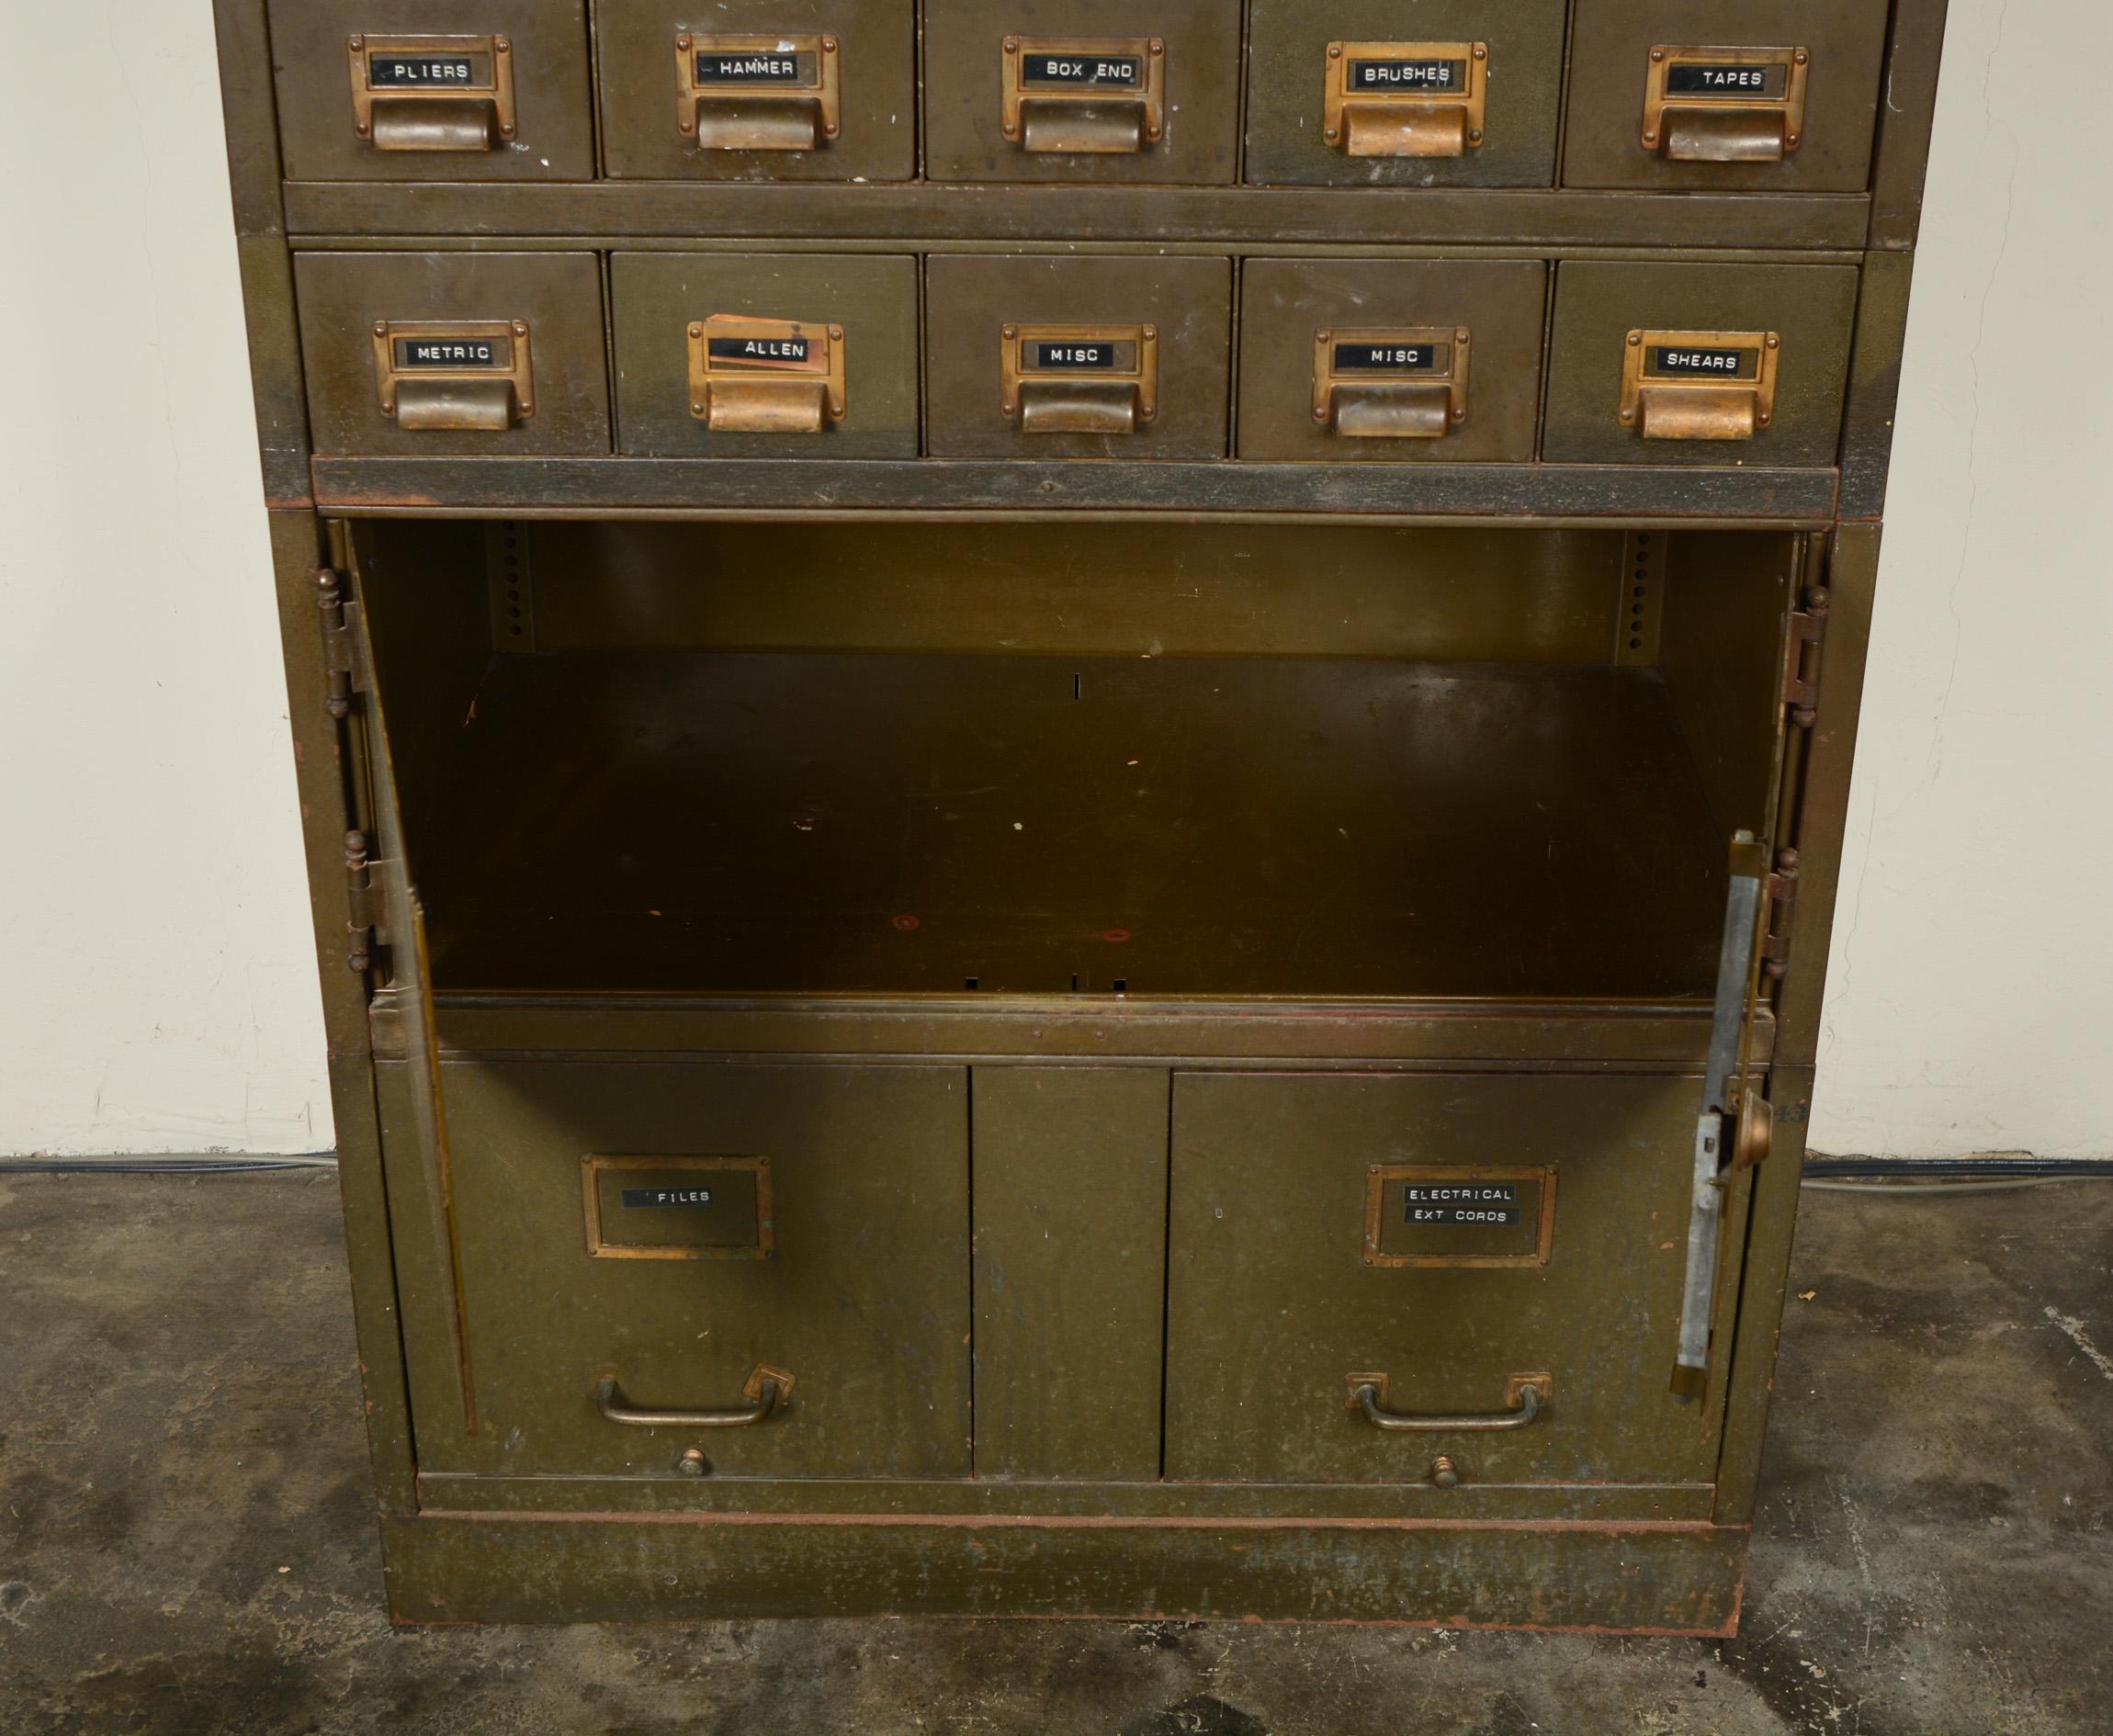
x: 160, y: 981
x: 161, y: 984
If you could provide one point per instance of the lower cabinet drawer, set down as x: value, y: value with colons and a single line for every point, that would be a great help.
x: 1444, y: 1242
x: 647, y: 1239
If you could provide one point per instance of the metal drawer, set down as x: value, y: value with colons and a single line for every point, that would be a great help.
x: 1082, y: 90
x: 847, y: 322
x: 1447, y: 1241
x: 758, y: 90
x: 1417, y: 93
x: 648, y: 1237
x: 1106, y: 357
x: 434, y: 90
x: 1376, y: 361
x: 1723, y: 95
x: 447, y: 354
x: 1783, y: 329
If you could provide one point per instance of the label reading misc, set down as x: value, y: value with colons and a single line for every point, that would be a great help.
x: 1690, y: 362
x: 426, y: 72
x: 1407, y: 78
x: 664, y: 1199
x: 1387, y: 358
x: 750, y: 67
x: 450, y: 353
x: 1054, y: 69
x: 1072, y: 355
x: 1703, y: 78
x: 1485, y: 1202
x: 786, y: 352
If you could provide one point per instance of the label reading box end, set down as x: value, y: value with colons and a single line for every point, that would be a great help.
x: 1057, y: 71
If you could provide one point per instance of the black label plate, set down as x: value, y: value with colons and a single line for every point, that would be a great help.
x: 450, y: 353
x: 1045, y: 68
x: 666, y: 1198
x: 1689, y: 363
x: 426, y: 72
x: 761, y: 352
x: 751, y: 68
x: 1387, y: 358
x: 1763, y: 82
x: 1072, y: 355
x: 1407, y: 78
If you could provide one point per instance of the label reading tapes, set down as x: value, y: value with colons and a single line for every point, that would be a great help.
x: 1047, y: 70
x: 1750, y: 82
x: 664, y: 1199
x: 1408, y: 78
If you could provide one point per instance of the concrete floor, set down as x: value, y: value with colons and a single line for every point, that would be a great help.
x: 186, y: 1544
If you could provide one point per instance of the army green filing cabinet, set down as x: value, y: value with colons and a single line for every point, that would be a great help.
x: 1074, y: 777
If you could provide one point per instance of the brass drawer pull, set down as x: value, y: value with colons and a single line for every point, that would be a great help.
x: 1524, y: 1393
x: 1406, y: 99
x: 767, y: 1389
x: 1391, y: 383
x: 1079, y: 380
x: 458, y: 376
x: 758, y: 93
x: 1725, y: 105
x: 1088, y: 99
x: 433, y: 92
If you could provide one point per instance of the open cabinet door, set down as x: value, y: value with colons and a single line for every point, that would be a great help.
x: 399, y: 964
x: 1733, y: 1124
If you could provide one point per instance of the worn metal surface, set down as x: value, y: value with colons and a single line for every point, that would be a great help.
x: 1598, y: 304
x: 655, y: 297
x: 1502, y: 306
x: 1287, y: 53
x: 1611, y: 46
x: 548, y: 40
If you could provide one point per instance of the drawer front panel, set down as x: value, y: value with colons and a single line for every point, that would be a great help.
x: 1115, y: 318
x: 445, y: 90
x: 1091, y: 90
x: 864, y: 304
x: 1399, y: 123
x: 680, y: 1226
x: 1730, y: 106
x: 758, y: 90
x: 1696, y: 316
x: 414, y: 354
x: 1320, y: 341
x: 1442, y: 1237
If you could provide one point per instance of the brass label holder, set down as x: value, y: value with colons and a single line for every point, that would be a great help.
x: 780, y: 376
x: 433, y: 92
x: 1467, y: 1200
x: 1080, y: 380
x: 678, y: 1184
x: 465, y: 376
x: 1093, y: 98
x: 1406, y: 99
x: 1391, y: 383
x: 1699, y: 385
x: 1725, y: 105
x: 758, y: 93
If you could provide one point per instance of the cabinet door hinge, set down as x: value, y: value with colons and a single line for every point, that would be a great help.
x: 363, y: 906
x: 1801, y: 669
x: 1782, y: 893
x: 342, y: 674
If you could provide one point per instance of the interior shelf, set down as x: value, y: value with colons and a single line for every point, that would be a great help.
x: 757, y: 822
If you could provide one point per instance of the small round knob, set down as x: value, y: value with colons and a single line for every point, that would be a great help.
x: 1444, y: 1473
x: 692, y: 1464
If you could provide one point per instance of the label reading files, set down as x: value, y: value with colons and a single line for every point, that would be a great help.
x: 662, y: 1199
x: 1479, y: 1203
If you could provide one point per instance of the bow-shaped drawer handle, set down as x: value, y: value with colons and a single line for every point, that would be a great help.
x: 1525, y: 1393
x: 767, y: 1389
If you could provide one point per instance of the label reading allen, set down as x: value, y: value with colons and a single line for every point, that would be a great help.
x: 761, y: 352
x: 421, y: 71
x: 1476, y: 1204
x: 1711, y: 363
x: 1692, y: 78
x: 1071, y: 355
x: 660, y: 1199
x: 1386, y: 358
x: 1407, y: 77
x: 750, y: 69
x: 448, y: 353
x: 1085, y: 71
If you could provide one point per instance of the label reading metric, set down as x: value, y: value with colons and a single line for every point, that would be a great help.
x: 1052, y: 69
x: 449, y: 352
x: 1752, y: 83
x: 662, y: 1199
x: 1690, y: 362
x: 1407, y: 78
